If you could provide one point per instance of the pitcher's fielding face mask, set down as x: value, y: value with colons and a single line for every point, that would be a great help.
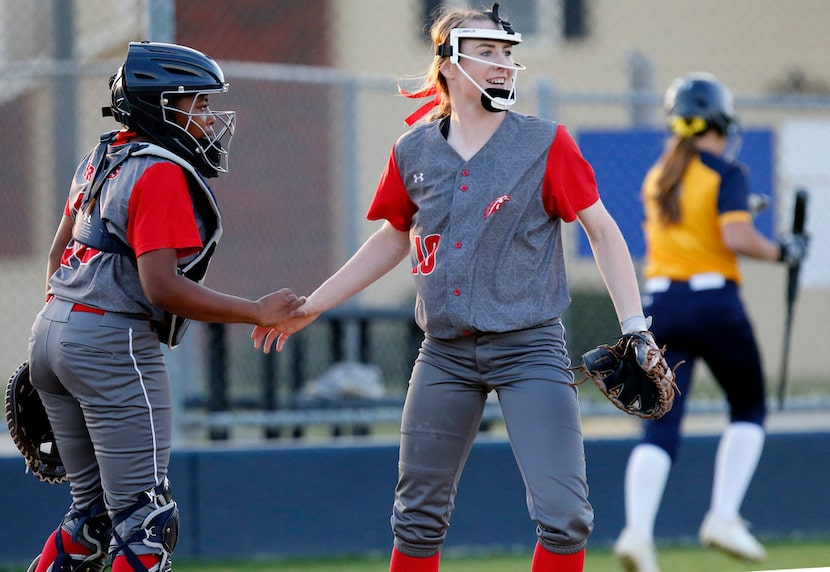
x: 493, y: 99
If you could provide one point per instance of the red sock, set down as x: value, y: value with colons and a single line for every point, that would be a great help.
x: 400, y: 562
x: 120, y: 564
x: 544, y: 561
x: 50, y: 550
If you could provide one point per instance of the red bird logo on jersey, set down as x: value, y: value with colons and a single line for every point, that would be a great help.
x: 495, y: 205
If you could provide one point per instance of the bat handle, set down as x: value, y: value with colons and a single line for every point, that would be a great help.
x: 799, y: 211
x: 799, y: 218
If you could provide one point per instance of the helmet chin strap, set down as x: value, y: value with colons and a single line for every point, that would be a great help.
x: 494, y: 99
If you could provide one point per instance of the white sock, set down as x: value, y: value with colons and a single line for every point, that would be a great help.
x: 739, y: 451
x: 645, y: 479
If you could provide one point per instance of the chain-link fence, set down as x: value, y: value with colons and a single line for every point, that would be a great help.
x: 314, y: 87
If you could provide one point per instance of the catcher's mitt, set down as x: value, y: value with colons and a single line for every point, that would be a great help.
x: 633, y: 375
x: 30, y: 428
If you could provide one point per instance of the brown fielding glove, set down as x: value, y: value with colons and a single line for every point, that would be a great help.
x: 632, y: 374
x: 30, y: 428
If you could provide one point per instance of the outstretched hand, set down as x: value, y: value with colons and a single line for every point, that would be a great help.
x: 267, y: 336
x: 279, y: 306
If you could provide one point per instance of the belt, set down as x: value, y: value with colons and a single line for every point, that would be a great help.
x: 78, y: 307
x: 696, y: 282
x: 59, y: 309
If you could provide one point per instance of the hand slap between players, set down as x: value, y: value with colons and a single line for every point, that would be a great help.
x: 277, y: 307
x: 267, y: 336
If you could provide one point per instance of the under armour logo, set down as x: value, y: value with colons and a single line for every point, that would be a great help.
x: 418, y: 178
x: 85, y: 228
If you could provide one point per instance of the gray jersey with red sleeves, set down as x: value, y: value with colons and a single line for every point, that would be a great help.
x: 109, y: 280
x: 486, y: 255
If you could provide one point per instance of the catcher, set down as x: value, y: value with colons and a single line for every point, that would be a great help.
x: 124, y: 275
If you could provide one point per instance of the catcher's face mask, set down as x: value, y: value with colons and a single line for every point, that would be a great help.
x: 208, y: 132
x: 493, y: 99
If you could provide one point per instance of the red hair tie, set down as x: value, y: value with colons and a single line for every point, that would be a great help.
x: 425, y: 108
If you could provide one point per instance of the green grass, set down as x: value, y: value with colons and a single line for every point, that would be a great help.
x: 782, y: 555
x: 672, y: 559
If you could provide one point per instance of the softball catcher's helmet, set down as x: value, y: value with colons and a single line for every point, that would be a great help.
x: 697, y: 102
x: 144, y: 88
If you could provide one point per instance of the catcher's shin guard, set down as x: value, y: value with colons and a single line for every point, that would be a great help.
x: 149, y: 527
x: 80, y: 544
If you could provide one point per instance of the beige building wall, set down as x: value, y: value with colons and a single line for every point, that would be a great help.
x: 25, y: 24
x: 755, y: 46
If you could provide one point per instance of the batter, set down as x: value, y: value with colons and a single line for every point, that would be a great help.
x: 697, y: 224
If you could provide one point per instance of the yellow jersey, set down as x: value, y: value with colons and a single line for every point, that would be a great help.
x: 713, y: 191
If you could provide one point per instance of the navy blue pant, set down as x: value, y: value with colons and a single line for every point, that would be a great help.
x: 711, y: 325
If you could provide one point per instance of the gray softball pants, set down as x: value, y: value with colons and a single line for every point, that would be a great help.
x: 105, y: 387
x: 444, y: 405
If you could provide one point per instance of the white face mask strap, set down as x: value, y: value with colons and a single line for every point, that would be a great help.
x: 498, y: 102
x: 512, y: 67
x: 457, y: 34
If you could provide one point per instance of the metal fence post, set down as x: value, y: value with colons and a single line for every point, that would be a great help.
x: 64, y: 96
x: 217, y: 376
x: 641, y: 83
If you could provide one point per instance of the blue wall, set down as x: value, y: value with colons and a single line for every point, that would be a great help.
x: 292, y: 501
x: 622, y: 157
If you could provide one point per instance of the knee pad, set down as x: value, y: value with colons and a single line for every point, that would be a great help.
x: 80, y: 543
x: 150, y: 526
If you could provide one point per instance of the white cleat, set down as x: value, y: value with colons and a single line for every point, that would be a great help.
x: 636, y: 554
x: 731, y: 536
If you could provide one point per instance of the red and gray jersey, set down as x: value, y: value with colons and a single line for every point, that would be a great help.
x: 153, y: 200
x: 485, y: 234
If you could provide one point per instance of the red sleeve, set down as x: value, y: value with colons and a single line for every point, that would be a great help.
x: 161, y: 213
x: 391, y: 200
x: 570, y: 185
x: 69, y: 208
